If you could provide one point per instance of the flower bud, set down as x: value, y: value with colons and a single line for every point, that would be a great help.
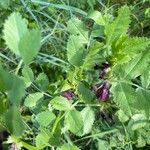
x: 102, y: 92
x: 68, y: 94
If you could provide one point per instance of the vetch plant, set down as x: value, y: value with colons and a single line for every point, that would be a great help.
x: 61, y: 119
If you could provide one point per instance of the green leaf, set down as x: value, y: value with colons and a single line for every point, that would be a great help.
x: 42, y: 139
x: 97, y: 17
x: 143, y: 101
x: 88, y: 119
x: 75, y: 50
x: 119, y: 26
x: 82, y: 91
x: 145, y: 77
x: 74, y: 122
x: 42, y: 81
x: 45, y: 118
x: 124, y: 96
x: 14, y: 29
x: 122, y: 116
x: 75, y: 46
x: 3, y: 105
x: 4, y: 3
x: 102, y: 145
x: 16, y: 91
x: 91, y: 3
x: 61, y: 103
x: 46, y: 138
x: 76, y: 27
x: 14, y: 121
x: 67, y: 146
x: 28, y: 75
x: 13, y: 85
x: 134, y: 68
x: 134, y: 45
x: 137, y: 121
x: 32, y: 99
x: 29, y: 45
x: 92, y: 56
x: 5, y: 79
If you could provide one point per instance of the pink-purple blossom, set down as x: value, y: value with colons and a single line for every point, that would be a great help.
x: 68, y: 94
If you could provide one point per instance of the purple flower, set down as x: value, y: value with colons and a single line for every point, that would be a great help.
x: 102, y: 93
x: 68, y: 94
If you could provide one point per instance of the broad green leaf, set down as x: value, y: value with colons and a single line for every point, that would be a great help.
x: 67, y: 146
x: 32, y: 99
x: 140, y: 141
x: 102, y: 145
x: 14, y: 29
x: 3, y: 105
x: 97, y: 17
x: 134, y: 45
x: 82, y: 91
x: 4, y: 3
x: 46, y: 138
x: 29, y: 45
x: 76, y: 27
x: 28, y: 75
x: 143, y: 101
x: 42, y: 81
x: 16, y: 91
x: 13, y: 85
x: 119, y: 26
x: 45, y: 118
x: 145, y: 77
x: 92, y: 56
x: 42, y: 139
x: 61, y: 103
x: 74, y: 122
x: 88, y: 119
x: 75, y: 51
x: 124, y: 96
x: 5, y: 79
x: 75, y: 45
x: 122, y: 116
x: 137, y: 121
x: 134, y: 68
x: 14, y: 121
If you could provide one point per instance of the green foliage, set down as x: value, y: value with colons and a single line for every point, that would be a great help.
x: 29, y: 45
x: 83, y: 90
x: 92, y: 56
x: 45, y: 118
x: 74, y: 122
x: 28, y: 75
x: 68, y: 147
x: 119, y: 26
x: 13, y: 85
x: 32, y: 99
x: 14, y: 122
x: 75, y: 45
x: 42, y: 139
x: 88, y: 119
x: 145, y: 78
x: 60, y: 103
x: 124, y: 96
x: 4, y: 3
x: 143, y: 100
x: 105, y: 58
x: 26, y: 43
x: 14, y: 28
